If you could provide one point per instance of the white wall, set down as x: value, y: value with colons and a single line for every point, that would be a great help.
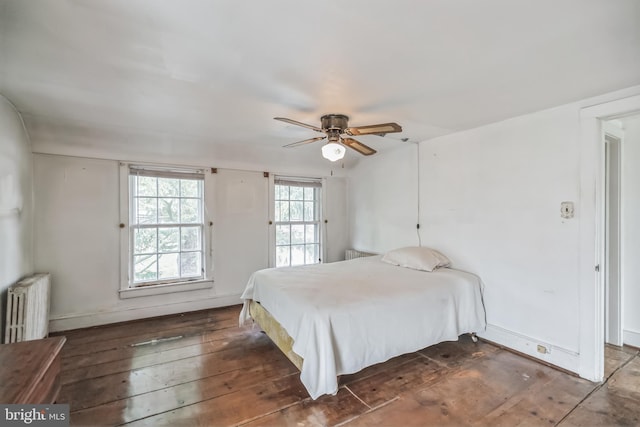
x: 78, y: 239
x: 631, y: 229
x: 16, y: 202
x: 335, y: 209
x: 241, y: 232
x: 490, y: 200
x: 383, y: 201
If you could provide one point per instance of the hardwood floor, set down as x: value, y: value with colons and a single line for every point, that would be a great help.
x: 202, y: 369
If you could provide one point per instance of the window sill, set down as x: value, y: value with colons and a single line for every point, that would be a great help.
x: 145, y: 291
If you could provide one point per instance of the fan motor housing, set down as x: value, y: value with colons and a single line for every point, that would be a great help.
x: 334, y: 121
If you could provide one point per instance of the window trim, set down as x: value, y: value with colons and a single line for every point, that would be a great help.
x: 165, y: 288
x: 127, y: 289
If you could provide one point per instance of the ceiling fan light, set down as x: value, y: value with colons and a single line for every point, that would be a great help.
x: 333, y: 151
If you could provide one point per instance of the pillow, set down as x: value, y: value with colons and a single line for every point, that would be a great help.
x: 417, y: 257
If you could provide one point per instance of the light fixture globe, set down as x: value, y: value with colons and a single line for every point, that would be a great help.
x: 333, y: 151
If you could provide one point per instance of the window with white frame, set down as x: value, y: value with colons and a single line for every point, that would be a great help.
x: 166, y: 233
x: 298, y: 221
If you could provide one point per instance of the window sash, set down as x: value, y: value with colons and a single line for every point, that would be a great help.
x: 310, y: 251
x: 181, y: 254
x: 181, y: 277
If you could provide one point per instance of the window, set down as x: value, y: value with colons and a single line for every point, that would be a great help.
x: 297, y: 221
x: 166, y: 232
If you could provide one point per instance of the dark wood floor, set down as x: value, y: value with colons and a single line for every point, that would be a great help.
x: 202, y: 369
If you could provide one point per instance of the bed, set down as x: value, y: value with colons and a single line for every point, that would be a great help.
x: 338, y: 318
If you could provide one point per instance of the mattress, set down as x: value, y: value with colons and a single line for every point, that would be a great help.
x: 345, y: 316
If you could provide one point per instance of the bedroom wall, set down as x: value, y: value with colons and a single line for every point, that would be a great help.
x: 383, y: 201
x: 490, y: 200
x: 631, y: 229
x: 16, y: 202
x: 497, y: 214
x: 337, y: 233
x: 76, y: 228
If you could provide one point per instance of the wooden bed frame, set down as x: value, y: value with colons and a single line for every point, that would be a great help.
x: 279, y: 335
x: 275, y: 331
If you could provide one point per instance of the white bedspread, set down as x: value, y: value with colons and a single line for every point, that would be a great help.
x: 345, y: 316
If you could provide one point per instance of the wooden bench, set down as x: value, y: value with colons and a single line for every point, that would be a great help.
x: 30, y: 371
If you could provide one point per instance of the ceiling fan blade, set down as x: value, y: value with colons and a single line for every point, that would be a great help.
x: 371, y: 129
x: 293, y: 122
x: 306, y: 141
x: 358, y: 146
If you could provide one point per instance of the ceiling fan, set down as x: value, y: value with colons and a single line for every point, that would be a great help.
x: 335, y: 126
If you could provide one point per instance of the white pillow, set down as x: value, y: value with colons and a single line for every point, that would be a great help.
x: 417, y: 257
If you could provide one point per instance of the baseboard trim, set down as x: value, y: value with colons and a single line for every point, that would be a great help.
x: 631, y: 338
x: 86, y: 320
x: 557, y: 356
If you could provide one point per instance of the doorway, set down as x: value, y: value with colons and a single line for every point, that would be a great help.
x: 621, y: 197
x: 613, y: 136
x: 594, y: 298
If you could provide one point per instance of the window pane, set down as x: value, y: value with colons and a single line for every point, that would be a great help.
x: 296, y: 211
x: 297, y: 193
x: 146, y: 186
x: 168, y: 187
x: 190, y: 263
x: 282, y: 192
x: 190, y: 211
x: 312, y: 255
x: 147, y: 210
x: 284, y: 211
x: 277, y: 209
x: 283, y: 234
x: 309, y: 211
x: 297, y: 234
x: 191, y: 239
x: 297, y: 254
x: 168, y: 211
x: 282, y: 256
x: 144, y: 268
x: 145, y: 240
x: 189, y: 188
x: 309, y: 193
x: 311, y: 233
x: 168, y: 239
x: 168, y: 267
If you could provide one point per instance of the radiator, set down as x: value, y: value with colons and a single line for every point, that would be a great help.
x: 353, y: 253
x: 28, y: 309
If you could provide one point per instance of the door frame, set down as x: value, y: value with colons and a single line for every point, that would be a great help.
x: 592, y: 226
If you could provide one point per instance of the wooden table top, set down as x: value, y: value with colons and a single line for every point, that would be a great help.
x: 23, y: 364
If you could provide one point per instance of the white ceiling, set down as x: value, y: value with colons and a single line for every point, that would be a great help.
x: 204, y: 79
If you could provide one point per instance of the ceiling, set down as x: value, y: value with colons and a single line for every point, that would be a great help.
x: 198, y: 79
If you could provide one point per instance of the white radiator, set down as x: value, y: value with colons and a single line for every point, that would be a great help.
x: 28, y: 309
x: 353, y: 253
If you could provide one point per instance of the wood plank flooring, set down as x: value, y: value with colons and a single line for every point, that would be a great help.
x: 200, y: 368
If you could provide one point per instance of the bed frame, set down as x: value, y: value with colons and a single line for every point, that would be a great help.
x: 275, y: 331
x: 280, y: 337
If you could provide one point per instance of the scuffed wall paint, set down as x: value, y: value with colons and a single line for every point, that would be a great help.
x: 16, y: 201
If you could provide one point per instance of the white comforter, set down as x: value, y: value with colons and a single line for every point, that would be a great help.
x: 345, y: 316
